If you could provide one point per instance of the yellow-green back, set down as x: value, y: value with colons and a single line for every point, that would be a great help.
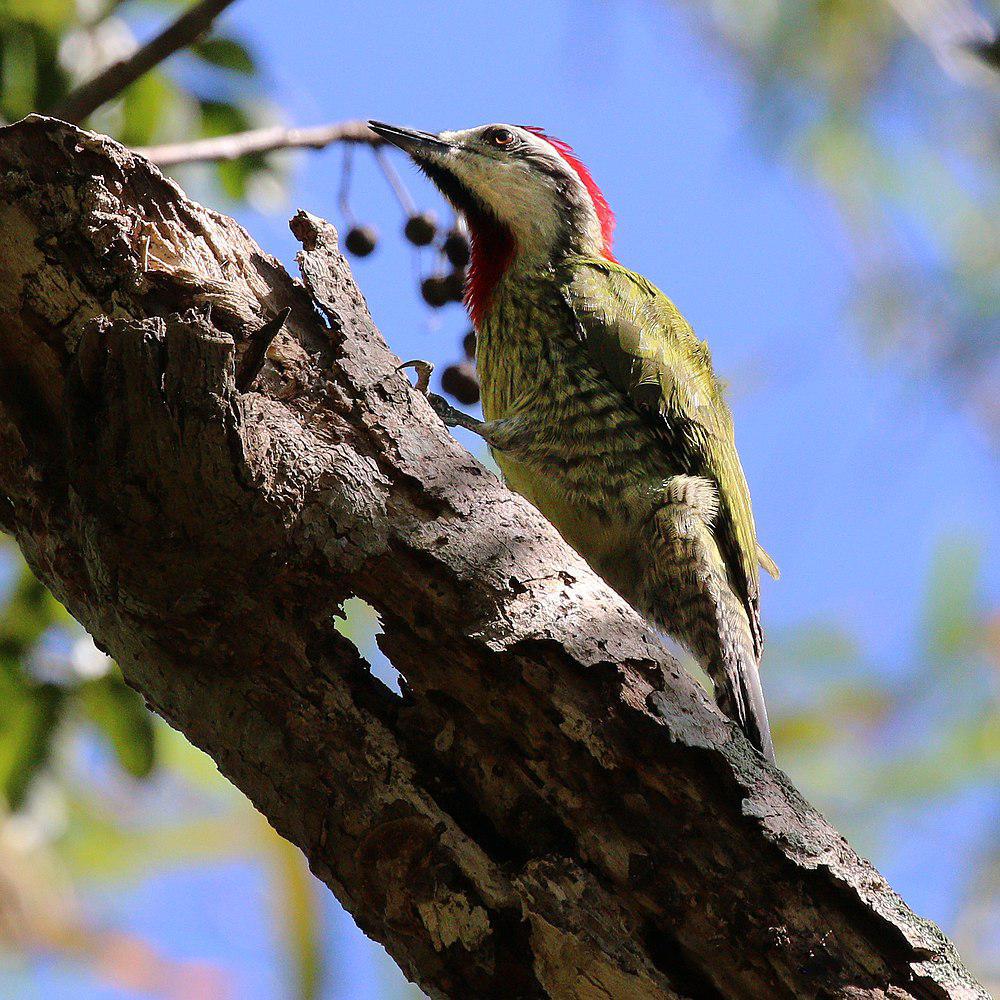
x: 638, y: 338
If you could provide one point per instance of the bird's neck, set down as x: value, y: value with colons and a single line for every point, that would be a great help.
x: 506, y: 252
x: 493, y: 252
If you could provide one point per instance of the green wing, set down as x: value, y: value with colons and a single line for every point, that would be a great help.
x: 635, y: 334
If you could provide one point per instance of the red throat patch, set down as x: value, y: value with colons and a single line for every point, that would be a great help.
x: 492, y: 252
x: 493, y: 246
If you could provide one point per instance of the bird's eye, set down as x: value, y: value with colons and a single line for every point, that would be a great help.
x: 502, y: 138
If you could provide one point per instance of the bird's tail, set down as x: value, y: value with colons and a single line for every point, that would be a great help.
x: 739, y: 694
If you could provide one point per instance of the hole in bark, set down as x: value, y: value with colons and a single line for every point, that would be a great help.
x: 681, y: 968
x: 362, y: 626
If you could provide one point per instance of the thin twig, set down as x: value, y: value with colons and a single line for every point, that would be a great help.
x: 395, y: 182
x: 110, y: 82
x: 261, y: 140
x: 344, y: 194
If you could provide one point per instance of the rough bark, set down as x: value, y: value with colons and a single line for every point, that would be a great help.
x: 552, y: 807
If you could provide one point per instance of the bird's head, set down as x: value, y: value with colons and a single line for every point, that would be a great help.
x: 526, y: 197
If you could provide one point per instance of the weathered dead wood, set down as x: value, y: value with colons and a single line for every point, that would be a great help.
x: 552, y: 808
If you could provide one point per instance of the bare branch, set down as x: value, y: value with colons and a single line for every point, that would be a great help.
x: 551, y: 807
x: 261, y: 140
x: 110, y: 82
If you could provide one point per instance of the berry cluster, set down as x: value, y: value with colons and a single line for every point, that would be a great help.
x: 459, y: 380
x: 446, y: 285
x: 440, y: 289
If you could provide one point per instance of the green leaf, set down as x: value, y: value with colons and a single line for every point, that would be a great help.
x: 99, y: 845
x: 123, y: 718
x: 144, y: 108
x: 233, y: 177
x: 29, y: 612
x: 178, y: 756
x: 52, y: 15
x: 301, y: 916
x: 222, y: 117
x: 226, y: 53
x: 953, y: 619
x: 31, y: 76
x: 821, y: 643
x: 29, y: 716
x: 18, y: 78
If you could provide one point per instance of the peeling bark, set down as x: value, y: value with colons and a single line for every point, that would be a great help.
x: 552, y: 807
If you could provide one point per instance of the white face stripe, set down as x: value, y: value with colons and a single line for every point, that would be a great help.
x: 540, y: 197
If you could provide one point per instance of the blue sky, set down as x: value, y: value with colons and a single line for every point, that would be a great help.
x: 856, y: 473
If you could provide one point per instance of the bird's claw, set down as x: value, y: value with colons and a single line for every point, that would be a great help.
x: 424, y: 370
x: 450, y: 416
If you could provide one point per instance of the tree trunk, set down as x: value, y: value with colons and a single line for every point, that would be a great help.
x: 552, y: 807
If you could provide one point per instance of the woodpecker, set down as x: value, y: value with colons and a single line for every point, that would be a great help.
x: 601, y: 405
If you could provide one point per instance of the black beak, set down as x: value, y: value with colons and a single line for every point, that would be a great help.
x: 409, y: 140
x: 432, y: 155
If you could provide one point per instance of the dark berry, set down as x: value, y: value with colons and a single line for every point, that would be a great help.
x: 435, y: 290
x: 460, y: 382
x: 456, y: 286
x: 361, y: 240
x: 456, y: 248
x: 469, y: 344
x: 420, y: 229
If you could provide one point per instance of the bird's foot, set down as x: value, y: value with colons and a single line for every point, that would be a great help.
x: 424, y: 370
x: 451, y: 416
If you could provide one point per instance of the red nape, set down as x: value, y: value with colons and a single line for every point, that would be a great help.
x: 604, y: 214
x: 492, y: 252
